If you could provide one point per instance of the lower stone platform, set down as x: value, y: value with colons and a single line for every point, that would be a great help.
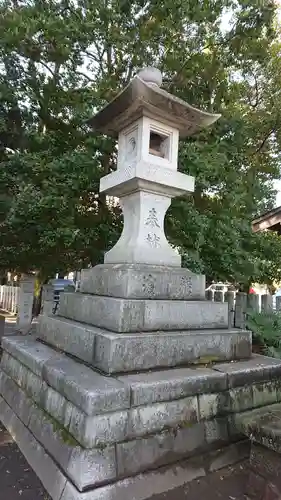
x: 140, y: 487
x: 90, y: 436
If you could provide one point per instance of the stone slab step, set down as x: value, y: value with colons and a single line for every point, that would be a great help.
x: 70, y: 336
x: 136, y: 281
x: 91, y: 392
x: 165, y: 385
x: 112, y: 352
x: 256, y: 369
x: 126, y: 315
x: 84, y: 467
x: 140, y: 487
x: 262, y: 425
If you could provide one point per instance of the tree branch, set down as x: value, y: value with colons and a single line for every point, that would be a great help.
x: 271, y: 131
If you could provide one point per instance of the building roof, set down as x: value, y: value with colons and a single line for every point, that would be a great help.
x: 269, y: 220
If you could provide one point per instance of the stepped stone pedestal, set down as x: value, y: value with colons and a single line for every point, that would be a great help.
x: 136, y: 386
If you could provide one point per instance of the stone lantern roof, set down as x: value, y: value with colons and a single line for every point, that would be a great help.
x: 144, y: 97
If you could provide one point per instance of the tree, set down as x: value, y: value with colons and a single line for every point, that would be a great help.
x: 63, y: 60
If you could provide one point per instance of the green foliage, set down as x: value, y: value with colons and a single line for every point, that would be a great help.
x: 266, y: 328
x: 63, y: 60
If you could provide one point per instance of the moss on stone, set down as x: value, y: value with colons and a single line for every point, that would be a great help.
x: 58, y: 428
x: 208, y: 360
x: 185, y: 424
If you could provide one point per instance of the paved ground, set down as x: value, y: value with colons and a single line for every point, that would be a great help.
x: 18, y: 481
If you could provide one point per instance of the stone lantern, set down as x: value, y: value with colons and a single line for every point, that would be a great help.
x: 134, y: 376
x: 148, y: 122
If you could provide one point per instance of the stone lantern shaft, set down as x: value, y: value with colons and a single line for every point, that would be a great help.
x: 148, y: 122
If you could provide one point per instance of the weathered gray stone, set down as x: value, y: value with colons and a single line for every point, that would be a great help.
x: 113, y: 352
x: 152, y: 387
x: 209, y: 405
x: 146, y: 419
x: 30, y: 353
x: 86, y: 468
x: 34, y: 386
x: 161, y: 449
x: 51, y: 477
x: 234, y: 432
x: 229, y: 455
x: 252, y: 396
x: 16, y: 370
x: 216, y: 431
x: 142, y: 486
x: 47, y: 431
x: 126, y: 315
x: 99, y: 430
x: 57, y: 406
x: 88, y: 431
x: 90, y: 391
x: 15, y: 397
x: 92, y: 467
x: 239, y: 399
x: 69, y: 336
x: 262, y: 425
x: 266, y: 393
x: 136, y: 281
x: 31, y: 383
x: 256, y: 369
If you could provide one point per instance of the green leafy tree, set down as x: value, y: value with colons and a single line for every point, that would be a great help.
x: 63, y: 60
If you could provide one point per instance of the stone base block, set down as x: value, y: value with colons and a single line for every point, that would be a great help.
x: 133, y: 281
x: 139, y: 487
x: 69, y: 336
x: 112, y: 352
x: 120, y: 437
x: 126, y: 315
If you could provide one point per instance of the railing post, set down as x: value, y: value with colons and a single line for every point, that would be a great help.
x: 26, y: 297
x: 266, y: 303
x: 253, y: 302
x: 230, y: 299
x: 278, y: 303
x: 6, y: 297
x: 219, y: 296
x: 240, y: 310
x: 209, y: 294
x: 47, y: 300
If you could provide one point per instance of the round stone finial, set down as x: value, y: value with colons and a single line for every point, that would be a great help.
x: 151, y: 75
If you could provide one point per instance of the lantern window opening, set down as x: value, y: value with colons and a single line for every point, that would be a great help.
x: 159, y: 144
